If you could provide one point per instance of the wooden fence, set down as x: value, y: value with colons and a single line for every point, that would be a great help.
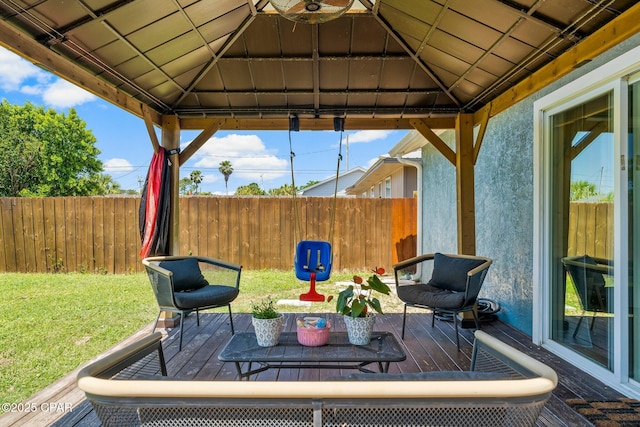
x: 101, y: 234
x: 591, y: 229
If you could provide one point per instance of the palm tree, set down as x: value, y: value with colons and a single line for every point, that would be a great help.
x: 226, y: 169
x: 107, y: 185
x: 196, y: 178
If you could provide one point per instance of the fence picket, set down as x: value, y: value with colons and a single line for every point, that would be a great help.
x: 101, y: 234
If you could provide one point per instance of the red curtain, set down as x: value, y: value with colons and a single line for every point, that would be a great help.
x: 155, y: 206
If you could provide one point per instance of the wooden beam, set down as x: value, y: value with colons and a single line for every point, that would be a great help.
x: 611, y: 34
x: 355, y: 123
x: 199, y: 141
x: 465, y: 183
x: 484, y: 120
x: 425, y: 130
x: 45, y: 58
x: 148, y: 121
x: 171, y: 141
x: 597, y: 130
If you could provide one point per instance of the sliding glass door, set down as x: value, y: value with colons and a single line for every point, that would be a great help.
x: 582, y: 283
x: 633, y: 209
x: 587, y: 215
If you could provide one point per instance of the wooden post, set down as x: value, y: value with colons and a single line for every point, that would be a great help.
x: 465, y: 185
x: 171, y: 141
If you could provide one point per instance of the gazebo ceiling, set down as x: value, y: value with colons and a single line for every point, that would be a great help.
x: 240, y: 60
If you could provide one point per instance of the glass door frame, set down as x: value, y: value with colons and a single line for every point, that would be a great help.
x: 609, y: 77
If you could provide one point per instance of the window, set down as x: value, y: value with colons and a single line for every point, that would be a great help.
x: 387, y: 187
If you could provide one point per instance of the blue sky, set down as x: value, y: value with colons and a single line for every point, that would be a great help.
x: 261, y: 157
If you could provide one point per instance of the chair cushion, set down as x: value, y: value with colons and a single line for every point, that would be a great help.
x: 186, y: 274
x: 430, y: 296
x: 207, y: 296
x: 451, y: 273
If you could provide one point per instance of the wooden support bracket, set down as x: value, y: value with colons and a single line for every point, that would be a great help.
x: 199, y: 141
x: 424, y: 129
x: 148, y: 121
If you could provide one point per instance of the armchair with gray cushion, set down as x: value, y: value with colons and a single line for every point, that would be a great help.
x: 454, y: 286
x: 587, y: 274
x: 183, y: 284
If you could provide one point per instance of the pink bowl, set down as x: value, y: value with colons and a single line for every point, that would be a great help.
x: 313, y: 337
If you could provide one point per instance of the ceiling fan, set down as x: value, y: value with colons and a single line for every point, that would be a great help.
x: 311, y: 11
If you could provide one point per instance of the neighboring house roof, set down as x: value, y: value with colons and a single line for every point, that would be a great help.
x: 382, y: 168
x: 411, y: 144
x: 408, y: 148
x: 327, y: 187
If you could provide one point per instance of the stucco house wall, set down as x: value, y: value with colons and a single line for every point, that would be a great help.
x: 503, y: 199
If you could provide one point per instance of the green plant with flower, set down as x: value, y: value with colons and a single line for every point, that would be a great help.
x: 357, y: 300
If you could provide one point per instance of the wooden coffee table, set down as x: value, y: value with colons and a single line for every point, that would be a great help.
x: 336, y: 354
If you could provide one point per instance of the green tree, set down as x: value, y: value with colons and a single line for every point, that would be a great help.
x: 196, y: 179
x: 226, y: 169
x: 109, y: 186
x: 285, y: 190
x: 252, y: 189
x: 46, y: 153
x: 185, y: 186
x: 308, y: 184
x: 581, y: 190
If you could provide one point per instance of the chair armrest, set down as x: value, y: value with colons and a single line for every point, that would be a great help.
x: 122, y: 363
x: 222, y: 268
x: 219, y: 263
x: 474, y: 285
x: 492, y: 355
x: 412, y: 261
x: 603, y: 266
x: 481, y: 267
x: 161, y: 282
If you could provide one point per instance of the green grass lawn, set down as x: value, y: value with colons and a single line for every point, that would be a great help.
x: 52, y: 323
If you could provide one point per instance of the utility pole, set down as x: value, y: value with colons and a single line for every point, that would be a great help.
x: 347, y: 154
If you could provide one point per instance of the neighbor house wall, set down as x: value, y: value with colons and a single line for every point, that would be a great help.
x: 503, y: 200
x: 403, y: 182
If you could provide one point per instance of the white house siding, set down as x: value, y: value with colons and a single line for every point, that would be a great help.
x: 504, y: 200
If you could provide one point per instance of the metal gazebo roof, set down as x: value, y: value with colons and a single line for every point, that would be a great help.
x: 383, y: 61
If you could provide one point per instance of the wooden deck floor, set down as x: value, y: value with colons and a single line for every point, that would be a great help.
x: 428, y: 349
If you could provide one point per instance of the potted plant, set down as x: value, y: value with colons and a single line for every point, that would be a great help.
x: 267, y: 322
x: 357, y: 304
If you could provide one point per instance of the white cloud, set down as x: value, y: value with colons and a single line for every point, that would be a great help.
x: 210, y: 178
x: 17, y: 74
x: 117, y: 166
x: 62, y: 94
x: 368, y: 136
x: 249, y: 157
x: 14, y: 71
